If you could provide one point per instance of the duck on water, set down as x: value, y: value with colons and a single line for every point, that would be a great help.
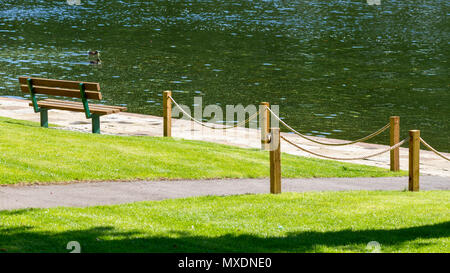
x: 94, y: 57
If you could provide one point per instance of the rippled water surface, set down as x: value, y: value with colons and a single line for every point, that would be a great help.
x: 337, y: 68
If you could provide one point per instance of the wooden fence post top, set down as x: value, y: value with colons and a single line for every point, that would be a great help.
x: 167, y: 113
x: 414, y: 132
x: 394, y: 138
x: 264, y: 123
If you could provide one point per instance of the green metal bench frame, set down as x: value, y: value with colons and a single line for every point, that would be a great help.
x: 44, y: 112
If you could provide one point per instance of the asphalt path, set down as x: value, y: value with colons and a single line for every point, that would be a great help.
x: 106, y: 193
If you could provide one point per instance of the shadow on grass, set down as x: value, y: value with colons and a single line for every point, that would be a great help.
x: 109, y: 239
x: 24, y: 123
x: 21, y: 123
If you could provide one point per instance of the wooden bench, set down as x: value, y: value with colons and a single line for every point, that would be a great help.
x: 73, y: 89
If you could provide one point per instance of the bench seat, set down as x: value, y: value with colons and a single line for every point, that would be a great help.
x: 73, y: 89
x: 75, y: 106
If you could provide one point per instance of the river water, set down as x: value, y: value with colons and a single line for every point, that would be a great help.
x: 337, y: 69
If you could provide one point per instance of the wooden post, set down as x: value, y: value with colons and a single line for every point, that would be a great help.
x: 275, y: 161
x: 414, y: 157
x: 265, y: 125
x: 167, y: 113
x: 394, y: 139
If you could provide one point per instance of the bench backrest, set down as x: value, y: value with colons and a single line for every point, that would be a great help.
x: 61, y: 88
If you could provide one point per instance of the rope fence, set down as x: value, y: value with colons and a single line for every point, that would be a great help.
x: 433, y: 150
x: 374, y: 134
x: 205, y: 124
x: 271, y: 137
x: 344, y: 158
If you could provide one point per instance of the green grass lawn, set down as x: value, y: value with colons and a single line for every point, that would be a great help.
x: 289, y: 222
x: 29, y: 153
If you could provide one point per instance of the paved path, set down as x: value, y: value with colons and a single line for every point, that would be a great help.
x: 106, y: 193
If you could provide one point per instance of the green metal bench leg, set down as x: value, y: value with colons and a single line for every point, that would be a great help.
x: 95, y: 124
x: 44, y: 117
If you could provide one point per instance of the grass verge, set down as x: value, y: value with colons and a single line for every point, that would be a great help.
x: 289, y: 222
x: 29, y: 153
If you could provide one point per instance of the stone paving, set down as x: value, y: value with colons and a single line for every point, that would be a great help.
x: 147, y: 125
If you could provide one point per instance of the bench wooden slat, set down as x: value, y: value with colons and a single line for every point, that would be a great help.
x: 75, y: 108
x: 62, y: 92
x: 120, y: 108
x: 89, y: 86
x: 80, y: 105
x: 109, y: 109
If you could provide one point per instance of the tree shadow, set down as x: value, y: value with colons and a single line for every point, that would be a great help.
x: 110, y: 239
x: 21, y: 123
x: 27, y: 123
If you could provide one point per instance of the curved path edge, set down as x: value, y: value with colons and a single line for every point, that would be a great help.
x: 105, y: 193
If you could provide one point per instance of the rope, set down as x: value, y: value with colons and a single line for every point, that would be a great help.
x: 433, y: 150
x: 204, y: 124
x: 381, y: 130
x: 345, y: 158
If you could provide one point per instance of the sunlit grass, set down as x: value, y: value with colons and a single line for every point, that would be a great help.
x: 29, y: 153
x: 289, y: 222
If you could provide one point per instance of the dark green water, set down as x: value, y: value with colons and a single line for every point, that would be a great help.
x: 337, y: 68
